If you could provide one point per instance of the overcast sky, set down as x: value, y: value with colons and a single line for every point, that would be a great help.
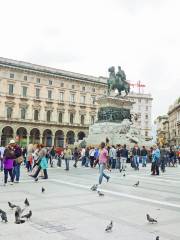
x: 88, y: 36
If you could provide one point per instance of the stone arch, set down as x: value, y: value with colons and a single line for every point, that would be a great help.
x: 35, y: 136
x: 7, y: 135
x: 59, y: 138
x: 21, y: 136
x: 47, y: 138
x: 70, y: 137
x: 81, y: 135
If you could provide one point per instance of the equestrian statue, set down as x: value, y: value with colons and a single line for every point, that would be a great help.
x: 117, y: 81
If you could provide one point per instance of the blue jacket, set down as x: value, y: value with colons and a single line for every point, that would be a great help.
x: 44, y: 163
x: 156, y: 155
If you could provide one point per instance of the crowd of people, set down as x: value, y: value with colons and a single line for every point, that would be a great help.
x: 36, y: 159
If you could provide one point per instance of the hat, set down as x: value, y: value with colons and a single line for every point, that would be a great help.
x: 12, y: 141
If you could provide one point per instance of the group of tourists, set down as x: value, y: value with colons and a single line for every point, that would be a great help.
x: 36, y: 159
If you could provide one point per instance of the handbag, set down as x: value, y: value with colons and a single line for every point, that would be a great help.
x: 19, y: 159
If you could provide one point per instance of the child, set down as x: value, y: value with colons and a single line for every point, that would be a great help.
x: 8, y: 165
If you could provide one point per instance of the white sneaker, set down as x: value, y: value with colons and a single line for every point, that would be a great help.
x: 11, y: 183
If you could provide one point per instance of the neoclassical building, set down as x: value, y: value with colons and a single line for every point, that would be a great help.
x: 52, y: 106
x: 46, y: 105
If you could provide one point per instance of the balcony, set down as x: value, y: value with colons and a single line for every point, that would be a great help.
x: 49, y: 100
x: 10, y: 96
x: 24, y: 98
x: 73, y: 104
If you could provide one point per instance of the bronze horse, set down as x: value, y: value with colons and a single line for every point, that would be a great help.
x: 117, y: 81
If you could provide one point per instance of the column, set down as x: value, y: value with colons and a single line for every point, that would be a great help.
x: 27, y: 141
x: 40, y: 138
x: 52, y: 144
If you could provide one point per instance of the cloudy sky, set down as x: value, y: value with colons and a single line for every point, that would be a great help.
x: 88, y: 36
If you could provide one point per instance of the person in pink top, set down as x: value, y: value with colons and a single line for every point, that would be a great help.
x: 103, y: 160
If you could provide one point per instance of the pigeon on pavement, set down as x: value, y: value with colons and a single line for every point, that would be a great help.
x: 3, y: 216
x: 109, y: 227
x: 150, y: 219
x: 28, y: 215
x: 157, y: 238
x: 136, y: 184
x: 11, y: 205
x: 94, y: 187
x: 17, y: 216
x: 26, y: 202
x: 100, y: 193
x: 42, y: 190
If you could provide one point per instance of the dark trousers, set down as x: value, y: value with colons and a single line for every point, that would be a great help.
x: 155, y: 168
x: 6, y: 171
x: 29, y: 166
x: 37, y: 173
x: 92, y: 161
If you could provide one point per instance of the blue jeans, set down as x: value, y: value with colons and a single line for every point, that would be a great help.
x: 16, y: 172
x: 136, y: 162
x: 67, y: 164
x: 87, y: 162
x: 113, y: 163
x: 83, y: 161
x: 144, y: 161
x: 101, y: 172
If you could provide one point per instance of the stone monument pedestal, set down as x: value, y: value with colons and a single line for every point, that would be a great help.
x: 114, y: 122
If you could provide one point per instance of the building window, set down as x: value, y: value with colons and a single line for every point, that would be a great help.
x: 93, y: 90
x: 23, y: 113
x: 73, y: 87
x: 72, y: 98
x: 48, y: 116
x: 24, y: 91
x: 9, y: 112
x: 146, y: 117
x: 60, y: 117
x: 82, y: 119
x: 25, y: 78
x: 83, y: 99
x: 139, y: 100
x: 93, y: 99
x: 36, y: 115
x: 11, y: 75
x: 49, y: 94
x: 83, y: 89
x: 50, y: 82
x: 146, y: 133
x: 11, y: 89
x: 38, y: 80
x: 37, y: 92
x: 61, y: 96
x: 71, y: 118
x: 146, y: 124
x: 62, y: 84
x: 92, y: 119
x: 146, y: 108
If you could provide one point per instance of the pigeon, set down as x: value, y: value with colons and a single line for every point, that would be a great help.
x: 109, y: 227
x: 136, y: 184
x: 11, y: 205
x: 28, y: 215
x: 94, y: 187
x: 3, y: 216
x: 150, y: 219
x: 42, y: 190
x: 26, y: 202
x: 17, y: 217
x: 100, y: 193
x: 157, y: 238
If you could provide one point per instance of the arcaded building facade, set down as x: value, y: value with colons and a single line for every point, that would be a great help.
x: 52, y: 106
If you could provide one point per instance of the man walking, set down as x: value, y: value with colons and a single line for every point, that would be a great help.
x: 103, y: 160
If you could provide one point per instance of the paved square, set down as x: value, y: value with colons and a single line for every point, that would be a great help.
x: 69, y: 210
